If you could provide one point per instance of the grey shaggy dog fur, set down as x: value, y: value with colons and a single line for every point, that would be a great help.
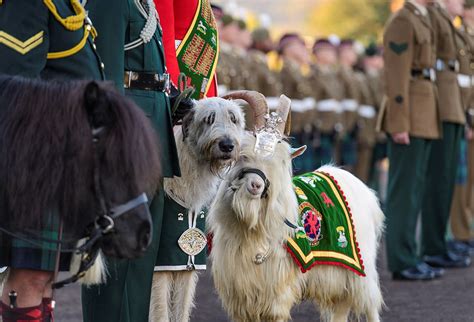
x: 213, y: 124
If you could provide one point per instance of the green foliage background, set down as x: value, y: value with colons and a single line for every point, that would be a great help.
x: 359, y: 19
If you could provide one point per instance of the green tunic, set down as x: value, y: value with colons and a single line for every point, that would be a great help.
x: 36, y: 43
x: 171, y: 257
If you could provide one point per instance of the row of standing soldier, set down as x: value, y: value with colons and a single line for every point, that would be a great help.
x: 334, y: 104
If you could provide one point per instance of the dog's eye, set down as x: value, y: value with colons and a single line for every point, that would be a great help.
x: 233, y: 119
x: 210, y: 119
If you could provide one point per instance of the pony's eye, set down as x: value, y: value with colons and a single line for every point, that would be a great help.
x: 244, y: 158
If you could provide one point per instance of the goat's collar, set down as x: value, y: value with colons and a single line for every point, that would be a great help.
x: 260, y: 173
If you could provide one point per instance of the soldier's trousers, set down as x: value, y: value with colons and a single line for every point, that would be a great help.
x: 438, y: 195
x: 364, y: 161
x: 461, y: 209
x: 406, y: 182
x: 125, y: 297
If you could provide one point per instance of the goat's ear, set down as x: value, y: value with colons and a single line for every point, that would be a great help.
x: 298, y: 151
x: 187, y: 120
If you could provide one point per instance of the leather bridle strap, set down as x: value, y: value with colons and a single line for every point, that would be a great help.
x: 260, y: 173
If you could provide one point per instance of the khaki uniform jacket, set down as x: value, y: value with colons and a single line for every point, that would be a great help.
x: 410, y: 101
x: 297, y: 87
x: 328, y: 93
x: 351, y: 97
x: 375, y: 81
x: 465, y: 46
x: 366, y: 113
x: 266, y: 81
x: 449, y: 94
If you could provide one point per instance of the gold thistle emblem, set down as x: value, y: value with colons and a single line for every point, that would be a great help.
x: 192, y: 241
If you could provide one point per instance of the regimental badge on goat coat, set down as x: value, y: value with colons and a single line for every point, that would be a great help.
x: 324, y: 233
x: 182, y: 241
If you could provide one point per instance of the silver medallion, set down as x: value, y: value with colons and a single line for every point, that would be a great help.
x: 192, y: 241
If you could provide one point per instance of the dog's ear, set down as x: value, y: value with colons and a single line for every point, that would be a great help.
x: 187, y: 120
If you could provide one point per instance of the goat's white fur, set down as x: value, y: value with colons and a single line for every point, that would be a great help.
x: 173, y: 292
x: 244, y: 226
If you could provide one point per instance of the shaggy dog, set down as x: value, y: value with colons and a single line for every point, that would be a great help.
x: 208, y: 143
x: 255, y: 277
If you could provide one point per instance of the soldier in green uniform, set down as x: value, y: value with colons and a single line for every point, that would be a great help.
x: 328, y: 92
x: 443, y: 158
x: 131, y: 47
x: 49, y: 39
x: 411, y: 120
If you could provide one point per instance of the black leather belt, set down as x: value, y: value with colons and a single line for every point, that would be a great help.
x: 147, y: 81
x: 425, y: 73
x: 452, y: 65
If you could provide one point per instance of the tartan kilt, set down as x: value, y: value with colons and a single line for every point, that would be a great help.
x: 324, y: 152
x: 349, y: 149
x: 16, y: 253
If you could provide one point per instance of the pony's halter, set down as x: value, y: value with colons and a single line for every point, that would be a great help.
x: 262, y: 175
x: 104, y: 222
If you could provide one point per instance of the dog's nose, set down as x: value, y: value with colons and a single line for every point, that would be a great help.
x: 226, y: 145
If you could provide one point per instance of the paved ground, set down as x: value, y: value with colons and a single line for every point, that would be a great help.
x: 450, y: 299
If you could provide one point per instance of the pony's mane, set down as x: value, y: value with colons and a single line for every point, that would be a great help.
x: 47, y: 156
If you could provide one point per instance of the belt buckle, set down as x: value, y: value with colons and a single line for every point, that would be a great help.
x: 456, y: 66
x: 166, y: 79
x: 128, y: 79
x: 432, y: 74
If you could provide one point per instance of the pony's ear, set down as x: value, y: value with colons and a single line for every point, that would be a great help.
x: 187, y: 120
x: 91, y: 96
x: 298, y: 151
x: 96, y: 105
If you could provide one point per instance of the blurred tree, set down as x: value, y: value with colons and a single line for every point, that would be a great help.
x: 359, y: 19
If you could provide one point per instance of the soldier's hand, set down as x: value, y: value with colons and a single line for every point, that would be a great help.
x: 180, y: 105
x: 469, y: 133
x: 401, y: 138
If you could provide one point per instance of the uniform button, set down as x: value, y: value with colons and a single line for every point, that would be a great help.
x: 159, y: 41
x: 88, y: 27
x: 94, y: 46
x: 102, y: 65
x: 462, y: 52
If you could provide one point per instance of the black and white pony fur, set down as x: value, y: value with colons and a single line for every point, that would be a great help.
x: 47, y: 159
x: 244, y: 225
x: 208, y: 143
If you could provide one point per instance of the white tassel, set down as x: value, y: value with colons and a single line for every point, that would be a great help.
x: 97, y: 274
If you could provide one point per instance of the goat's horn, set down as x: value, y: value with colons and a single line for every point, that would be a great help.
x: 257, y: 103
x: 284, y: 112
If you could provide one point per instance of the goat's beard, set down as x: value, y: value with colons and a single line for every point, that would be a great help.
x: 247, y: 209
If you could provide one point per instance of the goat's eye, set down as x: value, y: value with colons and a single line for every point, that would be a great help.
x: 233, y: 119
